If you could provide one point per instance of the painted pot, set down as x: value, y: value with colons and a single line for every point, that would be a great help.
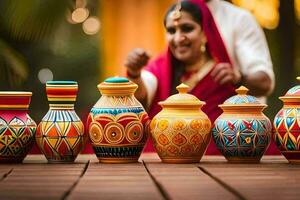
x: 242, y: 132
x: 60, y: 134
x: 181, y: 131
x: 17, y: 129
x: 118, y: 124
x: 287, y: 125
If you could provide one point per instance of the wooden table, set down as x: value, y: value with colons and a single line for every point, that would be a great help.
x: 212, y: 178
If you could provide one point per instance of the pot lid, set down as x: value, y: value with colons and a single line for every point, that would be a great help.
x: 292, y: 94
x: 117, y: 86
x: 242, y: 99
x: 182, y: 98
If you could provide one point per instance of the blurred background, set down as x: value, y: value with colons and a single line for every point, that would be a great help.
x: 88, y: 40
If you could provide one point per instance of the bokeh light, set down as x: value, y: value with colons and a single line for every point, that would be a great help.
x: 79, y: 15
x: 91, y: 26
x: 45, y: 75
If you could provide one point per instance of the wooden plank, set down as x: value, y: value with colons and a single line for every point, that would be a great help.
x: 212, y: 178
x: 115, y: 181
x: 184, y: 181
x: 35, y: 179
x: 272, y: 178
x: 5, y: 170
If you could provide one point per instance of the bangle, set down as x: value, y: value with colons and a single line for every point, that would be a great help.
x: 133, y: 76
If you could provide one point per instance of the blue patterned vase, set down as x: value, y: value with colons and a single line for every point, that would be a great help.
x: 118, y: 124
x: 242, y: 133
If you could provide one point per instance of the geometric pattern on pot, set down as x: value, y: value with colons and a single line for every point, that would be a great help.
x: 119, y: 129
x: 287, y: 127
x: 16, y: 137
x: 60, y: 135
x: 294, y: 91
x: 242, y: 138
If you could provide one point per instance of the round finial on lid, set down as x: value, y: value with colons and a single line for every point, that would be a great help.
x: 242, y: 90
x: 298, y: 78
x: 182, y: 88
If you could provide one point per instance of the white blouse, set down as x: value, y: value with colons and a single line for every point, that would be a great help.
x: 243, y: 37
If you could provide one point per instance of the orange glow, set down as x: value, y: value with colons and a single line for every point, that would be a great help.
x: 265, y: 11
x: 127, y: 25
x: 297, y: 9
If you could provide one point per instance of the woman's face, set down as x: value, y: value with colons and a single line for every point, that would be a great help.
x: 185, y: 38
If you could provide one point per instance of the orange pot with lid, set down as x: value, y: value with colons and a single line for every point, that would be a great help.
x: 181, y: 131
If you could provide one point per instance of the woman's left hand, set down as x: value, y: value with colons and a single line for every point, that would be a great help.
x: 224, y: 73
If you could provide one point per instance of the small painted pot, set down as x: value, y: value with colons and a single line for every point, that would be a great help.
x: 242, y: 133
x: 287, y: 125
x: 17, y: 129
x: 181, y: 131
x: 60, y: 134
x: 118, y: 124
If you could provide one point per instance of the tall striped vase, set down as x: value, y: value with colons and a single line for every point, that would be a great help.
x: 60, y: 135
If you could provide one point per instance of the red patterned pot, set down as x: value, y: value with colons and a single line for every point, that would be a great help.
x: 60, y: 134
x: 287, y: 125
x: 17, y: 129
x: 118, y: 123
x: 181, y: 131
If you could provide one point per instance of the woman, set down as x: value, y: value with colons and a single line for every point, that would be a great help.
x: 196, y: 55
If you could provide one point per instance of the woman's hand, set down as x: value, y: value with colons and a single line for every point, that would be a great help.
x: 258, y: 83
x: 224, y: 73
x: 135, y: 61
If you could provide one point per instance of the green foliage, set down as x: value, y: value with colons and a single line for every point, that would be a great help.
x: 32, y: 19
x: 12, y: 64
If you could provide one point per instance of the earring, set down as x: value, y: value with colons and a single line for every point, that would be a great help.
x: 202, y: 48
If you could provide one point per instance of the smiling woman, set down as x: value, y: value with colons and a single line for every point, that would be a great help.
x: 195, y: 47
x: 191, y: 58
x: 196, y: 55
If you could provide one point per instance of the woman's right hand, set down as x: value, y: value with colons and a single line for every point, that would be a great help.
x: 135, y: 61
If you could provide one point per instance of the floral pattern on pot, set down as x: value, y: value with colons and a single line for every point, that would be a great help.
x: 181, y: 139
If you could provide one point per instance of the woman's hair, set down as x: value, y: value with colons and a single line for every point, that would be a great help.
x: 179, y: 70
x: 188, y: 7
